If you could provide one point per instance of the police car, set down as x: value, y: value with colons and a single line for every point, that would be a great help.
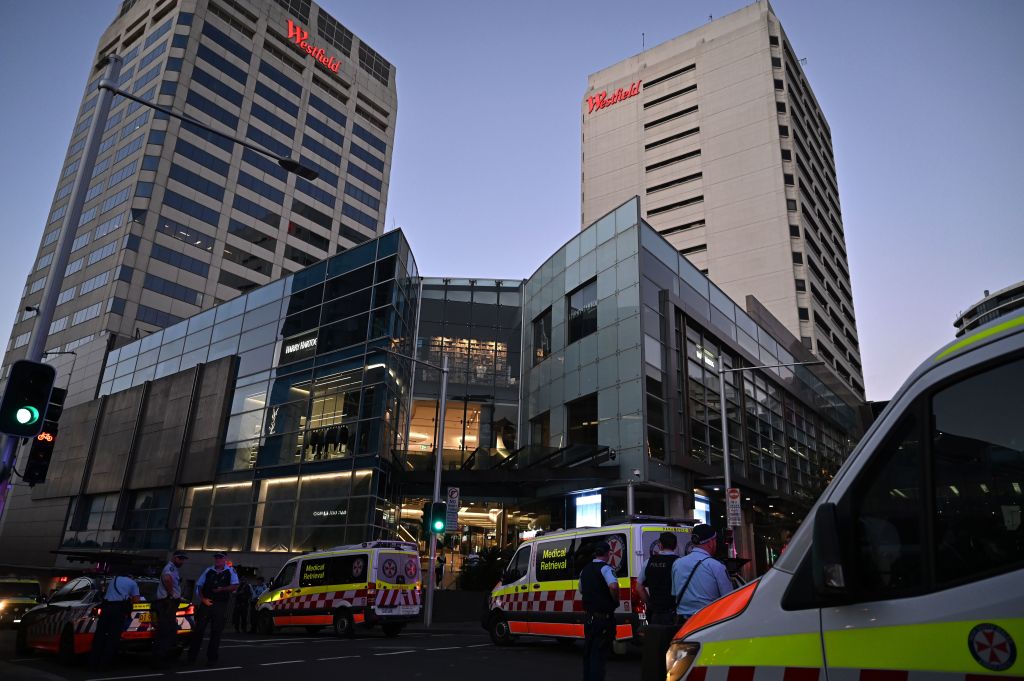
x: 66, y: 622
x: 911, y: 565
x: 359, y: 585
x: 538, y: 594
x: 17, y: 596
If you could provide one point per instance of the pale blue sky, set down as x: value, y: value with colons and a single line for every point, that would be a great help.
x: 925, y: 101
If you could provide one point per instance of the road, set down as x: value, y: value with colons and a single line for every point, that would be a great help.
x: 445, y: 652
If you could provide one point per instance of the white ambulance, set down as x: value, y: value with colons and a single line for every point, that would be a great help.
x: 538, y: 592
x: 911, y: 565
x: 360, y: 585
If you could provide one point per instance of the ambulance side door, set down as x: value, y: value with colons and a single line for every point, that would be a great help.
x: 552, y: 589
x: 281, y: 586
x: 515, y: 585
x: 934, y: 525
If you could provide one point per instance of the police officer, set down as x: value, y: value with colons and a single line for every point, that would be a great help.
x: 213, y: 592
x: 115, y: 609
x: 655, y: 591
x: 697, y: 578
x: 258, y: 589
x: 168, y: 598
x: 599, y: 590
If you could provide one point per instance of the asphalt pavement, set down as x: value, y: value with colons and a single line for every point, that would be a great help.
x: 443, y: 652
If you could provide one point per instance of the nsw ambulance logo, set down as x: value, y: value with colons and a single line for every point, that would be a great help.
x: 992, y: 647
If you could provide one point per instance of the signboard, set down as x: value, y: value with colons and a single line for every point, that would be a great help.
x: 301, y: 38
x: 732, y: 506
x: 299, y: 347
x: 601, y: 100
x: 451, y: 520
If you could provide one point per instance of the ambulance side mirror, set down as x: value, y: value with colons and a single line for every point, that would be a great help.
x: 830, y: 570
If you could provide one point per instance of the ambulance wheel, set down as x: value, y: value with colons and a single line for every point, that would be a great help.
x: 265, y: 624
x: 313, y: 630
x: 391, y: 630
x: 21, y: 647
x: 66, y: 648
x: 343, y: 625
x: 501, y: 634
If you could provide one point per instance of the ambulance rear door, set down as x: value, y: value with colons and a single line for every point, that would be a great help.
x: 932, y: 578
x: 397, y: 576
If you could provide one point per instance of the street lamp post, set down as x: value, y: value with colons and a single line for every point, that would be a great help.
x: 44, y: 311
x: 725, y: 430
x: 428, y: 610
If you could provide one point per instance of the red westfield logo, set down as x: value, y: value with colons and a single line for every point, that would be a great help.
x: 301, y: 38
x: 601, y: 99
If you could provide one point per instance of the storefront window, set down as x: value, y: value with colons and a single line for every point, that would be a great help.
x: 582, y: 420
x: 582, y: 311
x: 542, y: 336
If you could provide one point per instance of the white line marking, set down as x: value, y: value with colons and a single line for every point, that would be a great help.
x: 397, y: 652
x: 447, y: 648
x: 26, y: 659
x: 211, y: 669
x: 270, y: 664
x: 342, y: 657
x: 478, y: 645
x: 136, y: 676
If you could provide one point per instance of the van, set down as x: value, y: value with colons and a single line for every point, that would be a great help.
x: 360, y: 585
x: 538, y: 591
x: 911, y: 564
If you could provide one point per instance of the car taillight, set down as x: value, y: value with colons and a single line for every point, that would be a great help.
x: 190, y: 610
x: 96, y: 612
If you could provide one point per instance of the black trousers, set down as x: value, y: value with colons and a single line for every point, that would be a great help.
x: 240, y: 615
x: 108, y: 632
x: 598, y: 633
x: 212, y: 616
x: 658, y: 636
x: 166, y: 611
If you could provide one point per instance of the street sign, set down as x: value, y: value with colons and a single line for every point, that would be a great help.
x: 452, y: 517
x: 732, y: 505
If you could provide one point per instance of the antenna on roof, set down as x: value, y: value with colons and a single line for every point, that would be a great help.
x: 710, y: 18
x: 803, y: 62
x: 643, y: 41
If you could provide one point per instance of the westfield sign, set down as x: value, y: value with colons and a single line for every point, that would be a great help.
x: 301, y: 38
x: 601, y: 99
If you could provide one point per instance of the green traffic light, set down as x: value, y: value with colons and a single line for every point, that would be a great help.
x: 26, y: 416
x: 438, y: 526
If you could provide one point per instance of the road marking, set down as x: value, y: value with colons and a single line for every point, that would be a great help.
x: 477, y: 645
x: 270, y: 664
x: 397, y: 652
x: 136, y: 676
x: 26, y: 659
x: 211, y: 669
x: 446, y: 648
x: 341, y: 657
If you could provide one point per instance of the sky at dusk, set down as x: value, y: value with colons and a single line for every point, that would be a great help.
x: 925, y: 101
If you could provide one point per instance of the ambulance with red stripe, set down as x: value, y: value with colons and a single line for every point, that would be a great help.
x: 911, y: 565
x: 345, y: 588
x: 538, y: 594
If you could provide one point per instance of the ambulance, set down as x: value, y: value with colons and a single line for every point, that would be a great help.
x: 346, y: 587
x: 911, y: 565
x: 538, y: 594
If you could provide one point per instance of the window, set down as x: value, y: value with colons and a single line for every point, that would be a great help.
x: 794, y: 230
x: 75, y: 590
x: 285, y: 576
x: 791, y: 204
x: 778, y: 84
x: 773, y: 40
x: 886, y: 502
x: 581, y: 420
x: 221, y: 64
x: 86, y: 314
x: 780, y: 107
x: 519, y: 566
x: 554, y: 560
x: 798, y: 258
x: 364, y: 176
x: 787, y: 178
x: 336, y: 570
x: 618, y: 559
x: 583, y: 311
x: 366, y: 220
x: 783, y: 131
x: 542, y: 336
x: 777, y: 62
x: 66, y: 295
x: 978, y: 459
x: 787, y: 155
x: 803, y: 314
x: 44, y: 261
x: 366, y: 156
x: 801, y: 285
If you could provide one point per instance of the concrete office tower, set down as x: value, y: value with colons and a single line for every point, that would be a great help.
x: 719, y: 134
x: 177, y: 220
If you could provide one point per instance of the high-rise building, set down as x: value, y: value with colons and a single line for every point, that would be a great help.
x: 177, y: 220
x: 720, y: 135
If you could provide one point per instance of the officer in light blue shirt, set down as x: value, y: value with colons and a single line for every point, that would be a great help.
x: 120, y: 593
x: 699, y: 577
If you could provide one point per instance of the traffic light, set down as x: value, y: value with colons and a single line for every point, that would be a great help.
x: 39, y: 456
x: 438, y: 517
x: 26, y: 398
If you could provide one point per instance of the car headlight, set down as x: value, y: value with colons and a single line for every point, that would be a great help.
x: 679, y: 659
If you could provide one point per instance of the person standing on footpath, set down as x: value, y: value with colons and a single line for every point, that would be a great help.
x: 258, y: 589
x: 168, y: 598
x: 697, y: 578
x: 213, y: 592
x: 599, y: 589
x: 115, y: 609
x: 655, y: 590
x: 240, y: 613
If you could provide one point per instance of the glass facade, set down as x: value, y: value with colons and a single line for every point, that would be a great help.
x: 319, y: 404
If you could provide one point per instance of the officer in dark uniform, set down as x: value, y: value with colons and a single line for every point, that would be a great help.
x: 655, y: 589
x: 213, y: 591
x: 599, y: 590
